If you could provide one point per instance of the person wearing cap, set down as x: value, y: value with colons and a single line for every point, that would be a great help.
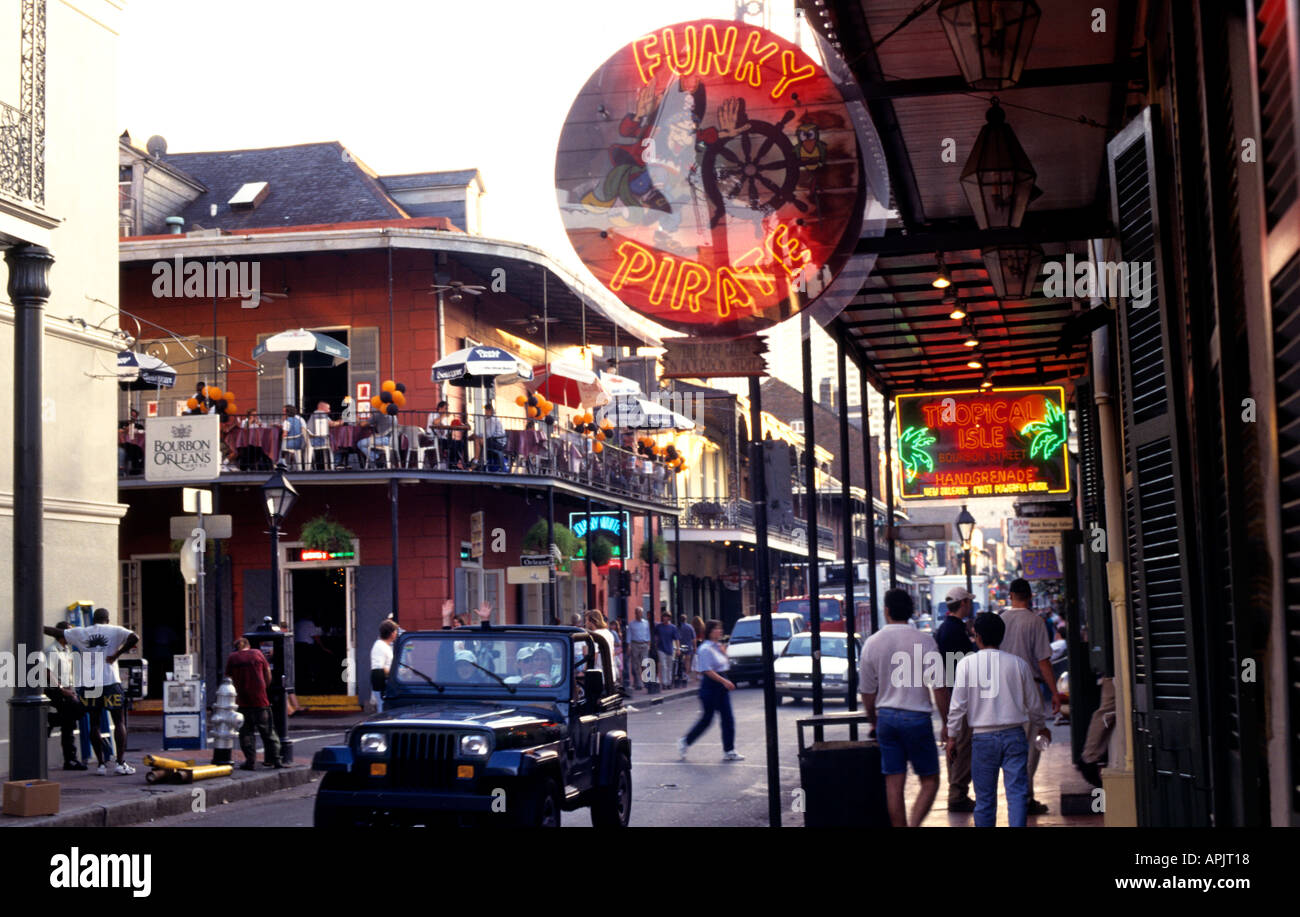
x: 466, y: 667
x: 955, y: 643
x: 1026, y: 638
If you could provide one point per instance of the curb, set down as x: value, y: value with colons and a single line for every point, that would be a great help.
x: 174, y: 801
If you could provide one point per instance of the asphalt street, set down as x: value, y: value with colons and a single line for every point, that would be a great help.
x: 703, y: 791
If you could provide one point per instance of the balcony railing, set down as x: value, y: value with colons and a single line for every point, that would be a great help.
x: 522, y: 447
x: 739, y: 514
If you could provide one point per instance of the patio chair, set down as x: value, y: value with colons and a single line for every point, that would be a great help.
x: 297, y: 458
x: 416, y: 450
x: 318, y: 439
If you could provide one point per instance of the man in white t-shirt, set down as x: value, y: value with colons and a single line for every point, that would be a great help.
x: 1027, y: 638
x: 381, y: 661
x: 100, y: 645
x: 899, y: 666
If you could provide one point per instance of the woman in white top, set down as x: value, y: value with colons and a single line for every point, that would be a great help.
x: 597, y: 628
x: 715, y: 694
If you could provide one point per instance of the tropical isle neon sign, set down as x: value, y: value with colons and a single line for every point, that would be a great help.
x: 983, y: 444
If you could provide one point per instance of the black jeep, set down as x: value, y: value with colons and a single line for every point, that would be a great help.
x: 494, y: 725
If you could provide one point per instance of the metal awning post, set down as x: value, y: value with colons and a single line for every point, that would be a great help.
x: 758, y: 493
x: 810, y: 514
x: 869, y: 484
x: 846, y: 474
x: 889, y: 490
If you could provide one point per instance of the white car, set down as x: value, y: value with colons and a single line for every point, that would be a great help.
x: 793, y: 668
x: 745, y: 645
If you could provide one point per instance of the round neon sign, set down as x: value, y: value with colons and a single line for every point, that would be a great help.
x: 708, y: 175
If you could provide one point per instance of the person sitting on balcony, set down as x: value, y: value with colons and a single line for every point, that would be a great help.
x: 436, y: 428
x: 458, y: 446
x: 381, y: 425
x: 318, y: 428
x: 293, y: 429
x: 494, y: 438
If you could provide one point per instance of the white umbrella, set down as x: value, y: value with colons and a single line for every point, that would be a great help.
x: 480, y: 365
x: 618, y: 385
x: 140, y: 371
x: 642, y: 414
x: 301, y: 348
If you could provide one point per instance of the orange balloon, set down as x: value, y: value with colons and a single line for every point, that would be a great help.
x: 192, y: 403
x: 399, y: 399
x: 213, y: 393
x: 532, y: 412
x: 229, y: 396
x: 599, y: 447
x: 521, y: 400
x: 600, y: 436
x: 231, y: 407
x: 388, y: 386
x: 377, y: 403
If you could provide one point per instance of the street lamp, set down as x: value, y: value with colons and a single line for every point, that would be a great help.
x: 965, y: 529
x: 278, y: 499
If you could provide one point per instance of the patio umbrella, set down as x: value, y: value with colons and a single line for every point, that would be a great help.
x: 137, y: 372
x: 634, y: 413
x: 301, y: 348
x: 618, y: 385
x: 480, y: 366
x: 569, y: 385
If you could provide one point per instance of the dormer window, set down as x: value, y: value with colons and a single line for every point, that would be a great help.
x: 250, y: 195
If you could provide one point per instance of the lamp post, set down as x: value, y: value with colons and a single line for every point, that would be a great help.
x: 966, y: 528
x: 278, y: 499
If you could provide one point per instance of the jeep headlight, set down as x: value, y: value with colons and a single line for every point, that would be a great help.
x: 373, y: 743
x: 474, y: 746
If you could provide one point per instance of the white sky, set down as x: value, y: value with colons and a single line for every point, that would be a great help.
x: 406, y: 85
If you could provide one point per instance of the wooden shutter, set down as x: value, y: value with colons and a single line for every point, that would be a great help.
x: 1168, y: 735
x: 1096, y: 598
x: 270, y: 390
x: 363, y: 364
x: 1278, y: 103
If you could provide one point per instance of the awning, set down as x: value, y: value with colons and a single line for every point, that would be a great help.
x: 642, y: 414
x: 301, y: 348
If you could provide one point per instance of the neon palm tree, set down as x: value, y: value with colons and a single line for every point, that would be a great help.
x: 1048, y: 434
x: 912, y: 450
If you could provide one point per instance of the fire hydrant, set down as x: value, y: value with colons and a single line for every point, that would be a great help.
x: 226, y: 721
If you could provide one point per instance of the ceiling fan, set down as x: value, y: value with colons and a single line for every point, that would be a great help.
x: 457, y: 289
x: 532, y: 324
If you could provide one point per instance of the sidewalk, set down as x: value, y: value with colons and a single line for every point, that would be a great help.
x: 89, y: 800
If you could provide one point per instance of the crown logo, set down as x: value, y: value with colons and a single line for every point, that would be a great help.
x: 181, y: 431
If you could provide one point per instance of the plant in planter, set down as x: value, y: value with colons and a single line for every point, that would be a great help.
x: 534, y: 541
x: 660, y: 551
x: 325, y: 534
x: 601, y: 551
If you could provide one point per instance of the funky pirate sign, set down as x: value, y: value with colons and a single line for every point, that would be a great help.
x: 708, y: 175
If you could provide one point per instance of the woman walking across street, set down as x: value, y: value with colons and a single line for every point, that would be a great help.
x: 715, y: 695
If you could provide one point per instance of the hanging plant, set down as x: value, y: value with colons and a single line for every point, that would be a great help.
x: 660, y: 549
x: 534, y: 541
x: 601, y: 551
x: 324, y: 534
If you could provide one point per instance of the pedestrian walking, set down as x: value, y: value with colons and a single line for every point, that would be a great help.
x: 1026, y: 638
x: 250, y: 673
x: 896, y: 699
x: 381, y: 660
x: 599, y: 630
x: 62, y: 692
x: 715, y: 695
x: 638, y: 645
x: 101, y: 644
x: 953, y: 642
x: 995, y: 699
x: 666, y: 648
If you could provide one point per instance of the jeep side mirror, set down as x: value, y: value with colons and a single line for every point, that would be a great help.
x: 593, y: 683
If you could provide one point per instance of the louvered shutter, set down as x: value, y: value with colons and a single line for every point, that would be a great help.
x: 1168, y: 736
x: 1096, y: 598
x: 270, y: 390
x: 1278, y: 103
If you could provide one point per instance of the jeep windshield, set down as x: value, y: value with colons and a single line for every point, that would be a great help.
x: 470, y: 662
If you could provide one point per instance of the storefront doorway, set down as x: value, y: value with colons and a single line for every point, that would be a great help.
x: 159, y: 606
x: 319, y: 601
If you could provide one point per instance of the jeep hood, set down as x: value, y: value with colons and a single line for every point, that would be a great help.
x: 503, y: 714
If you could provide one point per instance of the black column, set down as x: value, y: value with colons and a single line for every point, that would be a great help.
x: 758, y: 494
x: 869, y: 467
x: 392, y: 521
x: 551, y: 597
x: 810, y: 514
x: 591, y: 570
x: 846, y: 499
x: 29, y: 269
x: 889, y: 490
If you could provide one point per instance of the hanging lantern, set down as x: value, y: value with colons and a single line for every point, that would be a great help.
x: 998, y: 178
x: 1013, y: 269
x: 990, y: 39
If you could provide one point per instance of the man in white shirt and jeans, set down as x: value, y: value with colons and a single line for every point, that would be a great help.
x: 899, y: 666
x: 994, y: 696
x: 381, y: 661
x: 1027, y: 638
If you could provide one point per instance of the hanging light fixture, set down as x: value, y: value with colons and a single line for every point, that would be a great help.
x: 975, y: 363
x: 990, y: 39
x: 998, y: 178
x: 941, y: 279
x: 1013, y: 269
x: 988, y: 380
x: 971, y: 339
x: 957, y: 313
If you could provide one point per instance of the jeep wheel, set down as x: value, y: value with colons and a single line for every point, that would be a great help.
x: 538, y: 805
x: 612, y: 806
x: 324, y: 816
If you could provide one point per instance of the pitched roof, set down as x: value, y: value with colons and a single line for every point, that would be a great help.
x: 307, y: 184
x: 786, y: 404
x: 453, y: 179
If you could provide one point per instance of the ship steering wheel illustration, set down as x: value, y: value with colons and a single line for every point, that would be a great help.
x: 759, y: 166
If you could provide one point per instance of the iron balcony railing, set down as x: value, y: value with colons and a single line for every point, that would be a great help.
x: 424, y: 440
x: 739, y: 514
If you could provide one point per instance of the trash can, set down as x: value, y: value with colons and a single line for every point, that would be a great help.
x: 840, y: 776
